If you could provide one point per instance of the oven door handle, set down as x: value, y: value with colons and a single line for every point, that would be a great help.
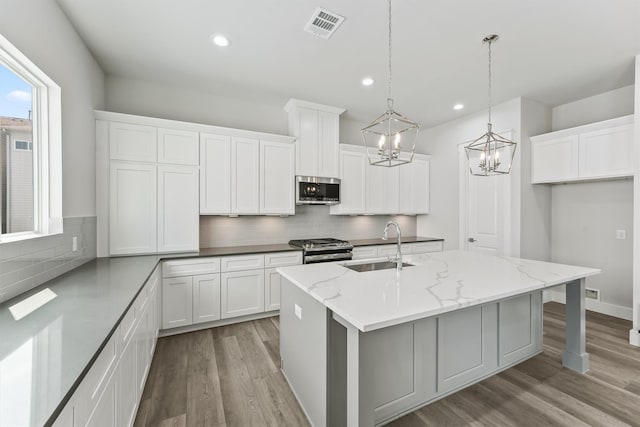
x: 339, y: 256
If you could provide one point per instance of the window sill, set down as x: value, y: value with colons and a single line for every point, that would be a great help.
x: 18, y: 237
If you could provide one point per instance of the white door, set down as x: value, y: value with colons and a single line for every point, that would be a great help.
x: 271, y: 289
x: 177, y: 302
x: 485, y: 211
x: 178, y: 147
x: 206, y: 298
x: 178, y: 213
x: 242, y: 293
x: 277, y: 163
x: 353, y: 164
x: 328, y: 144
x: 132, y: 208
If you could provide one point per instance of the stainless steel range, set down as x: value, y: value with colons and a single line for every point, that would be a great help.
x: 323, y: 250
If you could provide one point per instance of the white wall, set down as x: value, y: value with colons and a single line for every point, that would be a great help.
x: 442, y: 143
x: 585, y: 216
x: 608, y: 105
x: 634, y: 334
x: 145, y: 98
x: 40, y: 30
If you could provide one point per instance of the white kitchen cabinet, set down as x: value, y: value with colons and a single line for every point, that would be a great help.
x: 132, y: 142
x: 245, y: 176
x: 414, y: 186
x: 423, y: 247
x: 178, y: 147
x: 177, y: 302
x: 390, y: 249
x: 127, y: 384
x: 277, y: 173
x: 178, y: 218
x: 142, y: 352
x: 272, y: 278
x: 364, y: 252
x: 242, y: 293
x: 105, y: 413
x: 316, y: 128
x: 602, y: 150
x: 132, y: 208
x: 353, y: 165
x: 382, y: 189
x: 206, y: 298
x: 215, y: 174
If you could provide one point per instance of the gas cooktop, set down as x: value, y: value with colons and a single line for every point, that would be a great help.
x: 321, y: 244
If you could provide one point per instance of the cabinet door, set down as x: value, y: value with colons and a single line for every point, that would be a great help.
x: 353, y: 164
x: 177, y: 302
x: 305, y: 124
x: 215, y: 174
x: 414, y: 187
x: 177, y: 147
x: 467, y: 346
x: 328, y: 144
x: 271, y: 289
x: 132, y: 142
x: 242, y: 293
x: 105, y: 413
x: 277, y: 163
x: 206, y: 298
x: 178, y: 217
x: 606, y: 153
x: 382, y: 189
x: 142, y: 352
x: 245, y: 176
x: 555, y: 160
x: 127, y: 384
x: 132, y: 208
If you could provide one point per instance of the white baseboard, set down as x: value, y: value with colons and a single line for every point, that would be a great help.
x: 597, y: 306
x: 634, y: 337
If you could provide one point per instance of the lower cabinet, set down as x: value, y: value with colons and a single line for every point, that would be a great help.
x: 110, y: 392
x: 201, y: 290
x: 242, y: 293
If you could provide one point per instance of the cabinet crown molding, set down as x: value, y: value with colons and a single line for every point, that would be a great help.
x: 188, y: 126
x: 605, y: 124
x: 298, y: 103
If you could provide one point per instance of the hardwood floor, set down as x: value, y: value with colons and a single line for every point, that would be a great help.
x: 229, y: 376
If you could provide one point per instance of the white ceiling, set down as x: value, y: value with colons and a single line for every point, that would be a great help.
x: 553, y: 51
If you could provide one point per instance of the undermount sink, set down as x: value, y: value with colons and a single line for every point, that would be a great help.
x: 373, y: 266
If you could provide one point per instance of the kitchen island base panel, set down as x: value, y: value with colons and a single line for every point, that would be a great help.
x: 575, y: 356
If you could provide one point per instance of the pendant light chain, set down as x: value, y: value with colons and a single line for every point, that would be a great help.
x: 390, y: 98
x: 489, y: 97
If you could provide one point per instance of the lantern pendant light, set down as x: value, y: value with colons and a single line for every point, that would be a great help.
x: 390, y: 140
x: 491, y: 154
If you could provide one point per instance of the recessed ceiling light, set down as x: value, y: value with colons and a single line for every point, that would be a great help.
x: 367, y: 81
x: 458, y: 106
x: 220, y: 40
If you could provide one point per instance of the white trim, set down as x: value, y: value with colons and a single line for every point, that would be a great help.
x: 47, y: 142
x: 618, y: 311
x: 634, y: 337
x: 298, y: 103
x: 463, y: 209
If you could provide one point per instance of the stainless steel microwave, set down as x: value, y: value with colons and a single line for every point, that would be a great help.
x: 311, y: 190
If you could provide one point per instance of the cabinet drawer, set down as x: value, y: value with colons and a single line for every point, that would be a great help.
x: 424, y: 247
x: 190, y: 267
x: 364, y: 252
x: 281, y: 259
x: 243, y: 262
x: 388, y: 250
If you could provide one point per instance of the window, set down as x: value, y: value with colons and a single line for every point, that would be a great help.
x: 30, y: 149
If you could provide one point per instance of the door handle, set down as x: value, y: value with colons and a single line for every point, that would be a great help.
x: 471, y: 240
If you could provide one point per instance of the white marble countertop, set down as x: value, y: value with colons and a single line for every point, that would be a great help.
x: 436, y: 283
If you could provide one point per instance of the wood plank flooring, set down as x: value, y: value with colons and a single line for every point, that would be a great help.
x: 229, y: 376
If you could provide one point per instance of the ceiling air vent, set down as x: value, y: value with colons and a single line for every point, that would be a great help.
x: 323, y: 23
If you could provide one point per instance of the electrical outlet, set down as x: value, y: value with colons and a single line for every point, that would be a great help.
x: 592, y: 294
x: 298, y: 311
x: 74, y: 244
x: 621, y: 234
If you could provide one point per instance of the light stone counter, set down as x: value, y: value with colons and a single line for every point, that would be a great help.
x: 435, y: 284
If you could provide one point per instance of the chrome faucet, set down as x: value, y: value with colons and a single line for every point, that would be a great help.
x: 398, y: 258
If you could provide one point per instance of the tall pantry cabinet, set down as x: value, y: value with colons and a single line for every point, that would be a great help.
x: 147, y: 187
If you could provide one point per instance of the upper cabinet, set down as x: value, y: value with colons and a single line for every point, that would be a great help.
x: 600, y: 150
x: 132, y: 142
x: 177, y: 147
x: 377, y: 190
x: 317, y: 131
x: 277, y: 188
x: 215, y: 174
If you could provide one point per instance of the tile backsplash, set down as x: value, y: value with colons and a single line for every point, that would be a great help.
x: 308, y: 222
x: 29, y: 263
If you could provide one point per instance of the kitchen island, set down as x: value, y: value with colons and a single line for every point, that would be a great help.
x: 362, y: 349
